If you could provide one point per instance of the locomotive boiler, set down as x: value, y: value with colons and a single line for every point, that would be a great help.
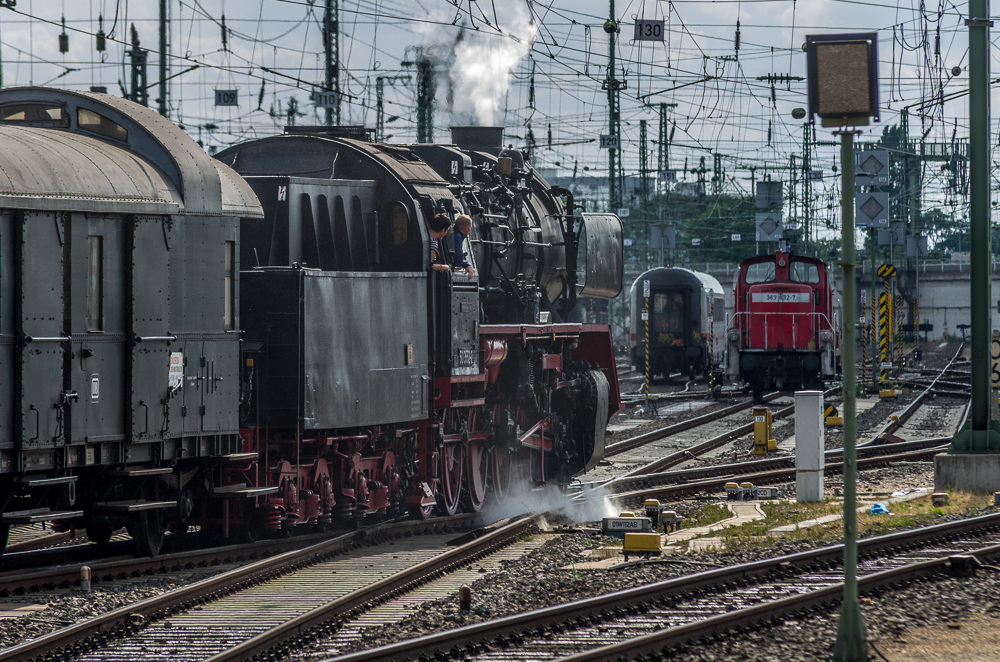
x: 785, y: 330
x: 261, y: 347
x: 677, y: 322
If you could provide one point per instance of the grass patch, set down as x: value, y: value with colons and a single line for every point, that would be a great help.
x: 708, y: 514
x: 904, y: 515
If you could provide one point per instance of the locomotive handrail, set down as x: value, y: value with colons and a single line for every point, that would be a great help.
x: 30, y: 339
x: 170, y: 338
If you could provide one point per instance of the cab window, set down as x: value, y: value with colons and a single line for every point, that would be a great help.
x: 760, y: 272
x: 803, y: 272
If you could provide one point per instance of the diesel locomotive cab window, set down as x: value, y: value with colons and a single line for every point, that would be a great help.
x: 95, y: 283
x: 760, y: 272
x: 93, y: 122
x: 804, y: 272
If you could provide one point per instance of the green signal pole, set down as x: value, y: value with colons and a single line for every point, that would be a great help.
x: 850, y: 645
x: 980, y: 434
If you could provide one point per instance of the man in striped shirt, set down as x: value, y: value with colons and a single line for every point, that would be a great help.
x: 438, y: 226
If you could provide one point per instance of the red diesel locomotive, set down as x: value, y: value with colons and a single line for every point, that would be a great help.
x: 785, y: 329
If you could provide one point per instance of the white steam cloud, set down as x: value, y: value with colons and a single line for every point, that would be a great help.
x: 483, y: 64
x: 525, y: 498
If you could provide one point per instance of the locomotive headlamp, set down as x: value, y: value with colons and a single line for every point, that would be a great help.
x: 826, y: 336
x: 734, y: 335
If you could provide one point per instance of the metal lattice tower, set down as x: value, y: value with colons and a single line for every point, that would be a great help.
x: 331, y: 48
x: 643, y: 160
x: 162, y: 105
x: 425, y: 100
x: 616, y: 177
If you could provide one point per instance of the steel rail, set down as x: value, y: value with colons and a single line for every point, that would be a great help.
x: 397, y: 584
x: 679, y: 490
x: 129, y: 618
x: 645, y: 438
x: 770, y: 464
x: 826, y: 598
x: 473, y: 636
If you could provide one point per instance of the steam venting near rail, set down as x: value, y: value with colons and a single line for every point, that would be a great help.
x: 527, y: 498
x: 484, y: 61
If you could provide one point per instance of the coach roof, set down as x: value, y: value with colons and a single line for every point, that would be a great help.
x: 82, y: 151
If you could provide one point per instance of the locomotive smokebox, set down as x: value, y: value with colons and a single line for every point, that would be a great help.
x: 478, y: 138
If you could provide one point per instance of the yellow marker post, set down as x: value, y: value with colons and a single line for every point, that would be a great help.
x: 762, y: 439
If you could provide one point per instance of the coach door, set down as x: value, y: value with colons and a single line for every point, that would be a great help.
x: 97, y: 368
x: 41, y: 339
x: 8, y: 326
x: 157, y: 365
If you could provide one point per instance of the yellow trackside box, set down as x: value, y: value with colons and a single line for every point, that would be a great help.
x: 642, y: 543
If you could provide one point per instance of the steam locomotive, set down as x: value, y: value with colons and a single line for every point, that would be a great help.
x: 256, y: 343
x: 785, y: 330
x: 677, y: 322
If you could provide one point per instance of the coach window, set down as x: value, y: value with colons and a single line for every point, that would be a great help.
x: 32, y: 113
x: 95, y: 283
x: 228, y: 314
x: 88, y: 120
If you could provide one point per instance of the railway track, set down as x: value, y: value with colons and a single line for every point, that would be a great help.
x: 256, y: 607
x: 653, y: 618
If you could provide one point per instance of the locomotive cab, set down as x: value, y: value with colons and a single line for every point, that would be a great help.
x: 783, y: 333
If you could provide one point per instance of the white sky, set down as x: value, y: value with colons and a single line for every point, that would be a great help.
x: 486, y: 53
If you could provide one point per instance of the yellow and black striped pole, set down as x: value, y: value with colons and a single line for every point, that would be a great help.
x: 883, y: 335
x: 916, y: 321
x: 711, y: 342
x: 864, y: 342
x: 900, y: 327
x: 645, y: 316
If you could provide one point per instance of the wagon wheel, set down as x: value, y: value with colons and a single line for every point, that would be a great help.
x: 421, y: 512
x: 148, y: 532
x: 478, y: 463
x: 99, y: 532
x: 477, y: 468
x: 500, y: 472
x: 451, y: 471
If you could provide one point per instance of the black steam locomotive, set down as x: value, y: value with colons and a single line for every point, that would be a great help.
x: 182, y: 345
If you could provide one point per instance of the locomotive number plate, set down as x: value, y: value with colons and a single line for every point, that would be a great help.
x: 780, y: 297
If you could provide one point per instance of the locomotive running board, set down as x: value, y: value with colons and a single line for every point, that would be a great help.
x: 237, y: 457
x: 37, y: 515
x: 45, y: 482
x: 138, y: 473
x: 131, y: 506
x: 241, y: 491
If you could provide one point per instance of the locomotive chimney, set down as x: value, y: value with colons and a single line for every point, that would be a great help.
x: 478, y: 138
